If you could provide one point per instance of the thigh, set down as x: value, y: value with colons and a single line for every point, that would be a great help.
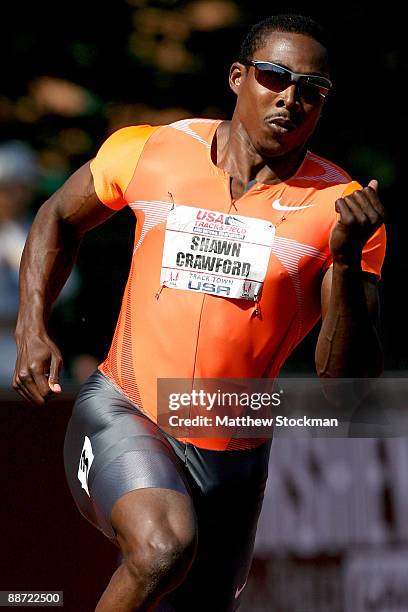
x: 111, y: 449
x: 228, y: 489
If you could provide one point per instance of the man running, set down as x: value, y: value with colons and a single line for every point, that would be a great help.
x: 184, y: 511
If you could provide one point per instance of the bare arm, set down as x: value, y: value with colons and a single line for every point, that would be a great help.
x: 348, y: 343
x: 47, y: 261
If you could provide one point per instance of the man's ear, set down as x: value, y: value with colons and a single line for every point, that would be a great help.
x: 237, y: 76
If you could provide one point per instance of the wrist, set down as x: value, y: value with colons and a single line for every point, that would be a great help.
x: 27, y: 324
x: 347, y: 262
x: 33, y: 312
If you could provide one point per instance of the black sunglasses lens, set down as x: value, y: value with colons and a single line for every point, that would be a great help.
x: 310, y: 92
x: 273, y: 77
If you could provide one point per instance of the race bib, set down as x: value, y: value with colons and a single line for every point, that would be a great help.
x: 217, y: 253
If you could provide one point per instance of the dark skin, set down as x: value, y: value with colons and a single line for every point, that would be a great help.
x: 249, y: 148
x: 252, y: 145
x: 47, y: 261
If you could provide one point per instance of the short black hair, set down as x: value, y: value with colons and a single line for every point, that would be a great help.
x: 298, y: 24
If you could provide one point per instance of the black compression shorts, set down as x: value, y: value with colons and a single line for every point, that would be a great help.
x: 112, y: 448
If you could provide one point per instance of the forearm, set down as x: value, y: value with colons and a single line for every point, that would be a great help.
x: 47, y: 261
x: 348, y: 343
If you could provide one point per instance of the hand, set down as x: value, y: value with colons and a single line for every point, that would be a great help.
x: 38, y: 365
x: 361, y: 214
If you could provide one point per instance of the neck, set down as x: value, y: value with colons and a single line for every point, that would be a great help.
x: 237, y: 155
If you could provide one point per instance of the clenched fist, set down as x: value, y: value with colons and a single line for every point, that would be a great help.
x: 361, y: 214
x: 38, y: 365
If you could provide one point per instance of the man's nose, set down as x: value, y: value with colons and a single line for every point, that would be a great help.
x: 289, y: 97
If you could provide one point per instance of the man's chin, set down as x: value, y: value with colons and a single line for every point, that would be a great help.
x: 279, y: 146
x: 274, y: 148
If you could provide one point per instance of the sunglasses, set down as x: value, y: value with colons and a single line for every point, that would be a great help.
x: 312, y: 88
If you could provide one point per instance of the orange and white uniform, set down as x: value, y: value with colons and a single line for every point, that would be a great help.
x: 165, y: 332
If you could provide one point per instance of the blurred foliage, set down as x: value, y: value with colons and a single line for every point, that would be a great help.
x: 74, y: 72
x: 94, y: 67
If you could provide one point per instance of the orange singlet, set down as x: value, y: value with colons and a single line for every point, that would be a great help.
x: 165, y: 332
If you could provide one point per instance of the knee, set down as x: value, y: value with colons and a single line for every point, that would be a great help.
x: 162, y: 556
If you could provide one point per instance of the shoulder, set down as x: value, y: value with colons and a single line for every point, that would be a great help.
x: 321, y: 172
x: 121, y: 149
x: 327, y: 180
x: 114, y: 164
x: 127, y: 137
x: 134, y: 135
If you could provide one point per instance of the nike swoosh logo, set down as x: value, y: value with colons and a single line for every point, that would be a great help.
x: 278, y: 206
x: 239, y: 591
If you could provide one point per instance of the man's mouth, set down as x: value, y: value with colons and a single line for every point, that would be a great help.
x: 281, y: 124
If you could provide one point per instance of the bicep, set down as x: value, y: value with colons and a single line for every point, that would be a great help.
x: 370, y: 284
x: 76, y: 202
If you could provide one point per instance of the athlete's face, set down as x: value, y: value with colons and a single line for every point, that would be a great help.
x: 279, y: 121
